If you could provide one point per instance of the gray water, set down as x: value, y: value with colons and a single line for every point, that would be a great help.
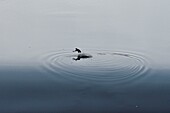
x: 129, y: 70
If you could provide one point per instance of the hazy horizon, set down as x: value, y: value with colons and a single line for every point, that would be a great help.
x: 33, y: 27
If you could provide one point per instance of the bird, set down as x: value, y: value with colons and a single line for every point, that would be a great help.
x: 81, y: 55
x: 78, y: 50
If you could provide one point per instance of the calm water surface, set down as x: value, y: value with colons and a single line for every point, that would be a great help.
x: 129, y: 70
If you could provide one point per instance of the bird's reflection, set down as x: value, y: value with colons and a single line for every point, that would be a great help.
x: 82, y: 56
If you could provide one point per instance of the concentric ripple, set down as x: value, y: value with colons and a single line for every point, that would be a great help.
x: 104, y: 67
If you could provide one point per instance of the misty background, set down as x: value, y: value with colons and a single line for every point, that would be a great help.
x: 32, y: 27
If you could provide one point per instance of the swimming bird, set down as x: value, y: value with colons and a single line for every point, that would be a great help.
x: 81, y: 55
x: 78, y: 50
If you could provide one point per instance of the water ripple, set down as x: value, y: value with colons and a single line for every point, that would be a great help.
x: 104, y: 67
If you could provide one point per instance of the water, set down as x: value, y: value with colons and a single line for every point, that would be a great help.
x: 128, y: 71
x: 104, y: 67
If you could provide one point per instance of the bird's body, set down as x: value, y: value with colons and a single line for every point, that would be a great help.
x: 84, y: 55
x: 78, y: 50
